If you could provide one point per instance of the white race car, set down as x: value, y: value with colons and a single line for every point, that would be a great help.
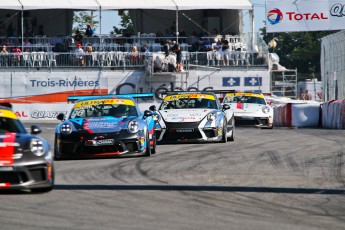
x: 250, y: 108
x: 194, y: 117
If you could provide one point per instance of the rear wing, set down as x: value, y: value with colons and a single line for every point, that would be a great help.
x: 130, y: 95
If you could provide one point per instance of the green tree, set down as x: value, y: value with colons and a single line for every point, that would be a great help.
x: 126, y: 24
x: 301, y: 50
x: 83, y: 18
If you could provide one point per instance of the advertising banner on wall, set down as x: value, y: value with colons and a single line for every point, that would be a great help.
x: 304, y: 15
x: 42, y: 96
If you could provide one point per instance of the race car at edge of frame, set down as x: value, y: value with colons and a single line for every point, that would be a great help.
x: 26, y: 162
x: 105, y: 126
x: 250, y: 108
x: 193, y: 117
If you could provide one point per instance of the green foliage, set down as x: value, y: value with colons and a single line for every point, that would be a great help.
x: 126, y: 24
x: 301, y: 50
x: 83, y: 18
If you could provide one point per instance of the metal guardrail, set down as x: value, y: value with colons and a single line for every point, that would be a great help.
x: 119, y: 59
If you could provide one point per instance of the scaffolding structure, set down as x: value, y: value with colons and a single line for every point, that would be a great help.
x: 284, y: 83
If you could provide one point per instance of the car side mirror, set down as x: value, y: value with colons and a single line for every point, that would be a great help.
x: 152, y: 108
x: 226, y: 107
x: 60, y: 117
x: 35, y: 129
x: 148, y: 113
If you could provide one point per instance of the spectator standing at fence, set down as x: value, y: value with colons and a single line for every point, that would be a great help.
x: 89, y: 31
x: 307, y: 95
x: 88, y: 56
x: 79, y: 54
x: 134, y: 55
x: 4, y: 55
x: 26, y: 45
x: 78, y: 38
x: 145, y: 51
x: 17, y: 54
x: 178, y: 57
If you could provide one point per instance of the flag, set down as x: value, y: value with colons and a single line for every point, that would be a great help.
x: 231, y: 81
x: 253, y: 81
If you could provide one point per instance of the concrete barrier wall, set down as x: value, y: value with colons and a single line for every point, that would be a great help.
x: 333, y: 114
x: 297, y: 115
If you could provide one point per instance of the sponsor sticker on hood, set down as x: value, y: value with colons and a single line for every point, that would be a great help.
x: 188, y: 115
x: 98, y: 125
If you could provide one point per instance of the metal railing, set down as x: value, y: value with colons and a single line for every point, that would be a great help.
x: 120, y: 59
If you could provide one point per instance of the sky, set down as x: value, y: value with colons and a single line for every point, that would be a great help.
x: 110, y: 18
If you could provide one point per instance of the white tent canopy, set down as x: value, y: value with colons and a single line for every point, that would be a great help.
x: 59, y: 4
x: 125, y: 4
x: 10, y: 5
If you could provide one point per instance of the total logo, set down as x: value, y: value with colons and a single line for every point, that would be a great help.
x: 275, y: 16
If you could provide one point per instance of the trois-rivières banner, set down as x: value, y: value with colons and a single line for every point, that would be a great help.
x: 304, y: 15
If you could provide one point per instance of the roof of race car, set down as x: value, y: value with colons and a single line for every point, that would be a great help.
x: 260, y: 95
x: 8, y: 113
x: 177, y: 95
x: 105, y: 100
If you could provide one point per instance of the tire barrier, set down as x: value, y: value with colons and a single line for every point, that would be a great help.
x: 333, y: 114
x: 297, y: 115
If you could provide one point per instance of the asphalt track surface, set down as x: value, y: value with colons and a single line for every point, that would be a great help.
x: 266, y: 179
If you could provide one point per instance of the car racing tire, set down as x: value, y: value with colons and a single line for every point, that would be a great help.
x: 148, y: 147
x: 153, y: 150
x: 232, y: 137
x: 224, y: 132
x: 56, y: 154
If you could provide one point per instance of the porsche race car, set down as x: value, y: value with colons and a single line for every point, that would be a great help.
x: 105, y: 126
x: 250, y: 108
x: 193, y: 117
x: 26, y: 162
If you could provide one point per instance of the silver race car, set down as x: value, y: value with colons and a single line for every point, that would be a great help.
x: 193, y: 117
x: 25, y: 159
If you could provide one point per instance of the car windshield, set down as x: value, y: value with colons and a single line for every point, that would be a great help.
x: 11, y: 125
x: 188, y: 103
x: 244, y: 99
x: 101, y: 110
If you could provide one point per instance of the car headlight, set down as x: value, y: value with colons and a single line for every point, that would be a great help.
x: 66, y: 129
x: 133, y: 126
x: 266, y: 109
x: 212, y: 117
x: 36, y: 147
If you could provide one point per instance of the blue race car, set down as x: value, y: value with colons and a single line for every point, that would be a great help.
x: 105, y: 126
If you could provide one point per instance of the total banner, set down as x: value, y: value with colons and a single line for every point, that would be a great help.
x: 304, y: 15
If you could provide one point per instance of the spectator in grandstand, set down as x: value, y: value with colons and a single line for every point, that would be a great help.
x: 26, y: 45
x: 79, y: 55
x: 78, y: 37
x: 307, y: 95
x: 4, y: 56
x: 88, y: 56
x: 178, y: 58
x: 225, y: 50
x: 134, y: 55
x: 4, y: 50
x: 146, y: 51
x: 89, y: 31
x: 157, y: 64
x: 16, y: 58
